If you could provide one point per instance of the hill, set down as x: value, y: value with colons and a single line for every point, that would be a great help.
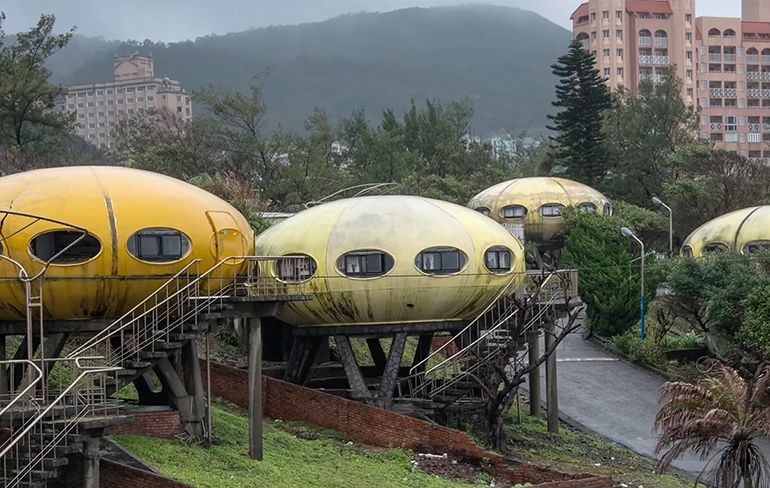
x: 499, y: 57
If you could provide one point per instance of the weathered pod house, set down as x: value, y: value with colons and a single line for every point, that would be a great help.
x: 392, y: 260
x: 745, y: 231
x: 142, y: 228
x: 531, y: 209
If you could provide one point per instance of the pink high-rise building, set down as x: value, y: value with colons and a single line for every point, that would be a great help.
x: 723, y: 61
x: 134, y: 89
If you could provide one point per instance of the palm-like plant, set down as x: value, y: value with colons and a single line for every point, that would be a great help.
x: 719, y: 418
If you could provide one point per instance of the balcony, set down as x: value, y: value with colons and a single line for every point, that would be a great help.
x: 752, y: 58
x: 661, y: 42
x: 715, y: 126
x: 723, y: 92
x: 753, y: 137
x: 645, y: 41
x: 758, y: 92
x: 653, y: 59
x: 760, y: 160
x: 655, y: 78
x: 754, y: 126
x: 585, y: 43
x: 757, y: 75
x: 715, y: 56
x: 729, y: 57
x: 765, y: 59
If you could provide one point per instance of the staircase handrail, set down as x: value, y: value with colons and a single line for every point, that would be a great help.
x: 55, y: 402
x: 30, y: 387
x: 97, y: 338
x: 503, y: 292
x: 110, y: 332
x: 489, y: 356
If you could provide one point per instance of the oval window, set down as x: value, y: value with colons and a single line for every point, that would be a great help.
x: 158, y: 245
x: 687, y: 251
x: 483, y: 211
x: 498, y: 259
x: 295, y: 268
x: 76, y: 247
x: 440, y: 260
x: 714, y: 248
x: 587, y: 207
x: 755, y: 246
x: 513, y: 212
x: 365, y: 263
x: 551, y: 209
x: 607, y: 209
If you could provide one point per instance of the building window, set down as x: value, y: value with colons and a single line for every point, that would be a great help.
x: 120, y: 90
x: 731, y: 123
x: 90, y: 104
x: 179, y: 110
x: 119, y: 101
x: 440, y: 260
x: 593, y: 16
x: 158, y: 245
x: 130, y: 89
x: 81, y: 94
x: 129, y: 100
x: 91, y: 125
x: 71, y: 106
x: 551, y: 210
x: 619, y: 52
x: 606, y: 34
x: 587, y: 207
x: 139, y: 99
x: 620, y: 72
x: 81, y: 116
x: 619, y: 14
x: 110, y: 113
x: 714, y: 248
x: 150, y: 98
x: 483, y: 211
x: 498, y: 259
x: 619, y: 34
x: 179, y: 98
x: 109, y: 91
x: 91, y: 115
x: 110, y: 102
x: 90, y: 93
x: 365, y: 263
x: 755, y: 246
x: 140, y: 88
x: 513, y: 212
x: 100, y: 114
x: 688, y: 36
x: 99, y: 93
x: 606, y: 53
x: 688, y: 74
x: 295, y: 268
x: 47, y: 245
x: 606, y: 72
x: 81, y: 105
x: 606, y: 14
x: 688, y: 18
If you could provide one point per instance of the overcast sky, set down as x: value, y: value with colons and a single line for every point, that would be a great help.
x: 162, y: 20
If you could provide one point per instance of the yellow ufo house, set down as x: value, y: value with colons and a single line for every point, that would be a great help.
x: 745, y: 231
x: 534, y: 206
x: 142, y: 228
x: 392, y: 260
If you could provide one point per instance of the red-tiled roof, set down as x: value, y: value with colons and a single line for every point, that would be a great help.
x: 652, y: 6
x: 581, y: 11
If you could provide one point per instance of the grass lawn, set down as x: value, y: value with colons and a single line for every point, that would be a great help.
x: 573, y: 451
x: 296, y: 454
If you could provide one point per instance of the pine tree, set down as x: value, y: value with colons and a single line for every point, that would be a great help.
x: 582, y: 96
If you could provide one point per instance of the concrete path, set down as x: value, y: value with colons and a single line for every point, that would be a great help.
x: 611, y: 397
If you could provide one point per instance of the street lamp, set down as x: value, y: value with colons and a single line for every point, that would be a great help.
x: 658, y: 201
x: 629, y: 233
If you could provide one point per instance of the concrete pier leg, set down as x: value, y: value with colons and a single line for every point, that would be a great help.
x: 255, y: 387
x: 552, y: 396
x: 378, y: 355
x: 91, y: 457
x: 3, y: 371
x: 184, y: 402
x: 534, y: 375
x: 360, y: 390
x: 390, y: 374
x: 193, y: 382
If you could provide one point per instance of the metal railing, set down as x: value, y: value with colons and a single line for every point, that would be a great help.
x: 44, y: 420
x: 176, y: 305
x: 652, y: 59
x: 645, y: 41
x: 723, y: 92
x: 489, y: 334
x: 758, y: 75
x: 758, y: 92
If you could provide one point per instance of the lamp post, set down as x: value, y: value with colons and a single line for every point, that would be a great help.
x: 629, y: 233
x: 658, y: 201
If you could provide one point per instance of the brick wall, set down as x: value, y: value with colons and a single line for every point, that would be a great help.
x: 114, y: 475
x: 377, y: 427
x: 164, y: 424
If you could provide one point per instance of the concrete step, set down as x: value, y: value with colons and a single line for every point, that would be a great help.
x: 167, y: 346
x: 180, y: 337
x: 152, y: 354
x: 48, y: 463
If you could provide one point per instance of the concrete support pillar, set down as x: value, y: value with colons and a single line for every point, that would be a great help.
x: 534, y: 376
x: 422, y: 350
x: 355, y: 379
x: 303, y: 352
x: 552, y: 396
x: 184, y: 402
x: 254, y: 326
x: 91, y: 457
x: 390, y: 374
x: 193, y: 382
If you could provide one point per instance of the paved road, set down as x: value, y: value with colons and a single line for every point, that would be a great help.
x: 614, y: 398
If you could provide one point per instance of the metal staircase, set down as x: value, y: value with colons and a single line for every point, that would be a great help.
x: 498, y: 335
x: 44, y: 423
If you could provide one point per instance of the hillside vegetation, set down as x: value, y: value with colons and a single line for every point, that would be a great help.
x: 498, y: 57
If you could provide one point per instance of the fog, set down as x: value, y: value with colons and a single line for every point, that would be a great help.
x: 171, y: 21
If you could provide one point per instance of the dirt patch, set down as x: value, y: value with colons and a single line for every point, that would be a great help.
x: 450, y: 468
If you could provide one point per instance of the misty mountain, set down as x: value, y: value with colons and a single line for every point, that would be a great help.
x: 499, y: 57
